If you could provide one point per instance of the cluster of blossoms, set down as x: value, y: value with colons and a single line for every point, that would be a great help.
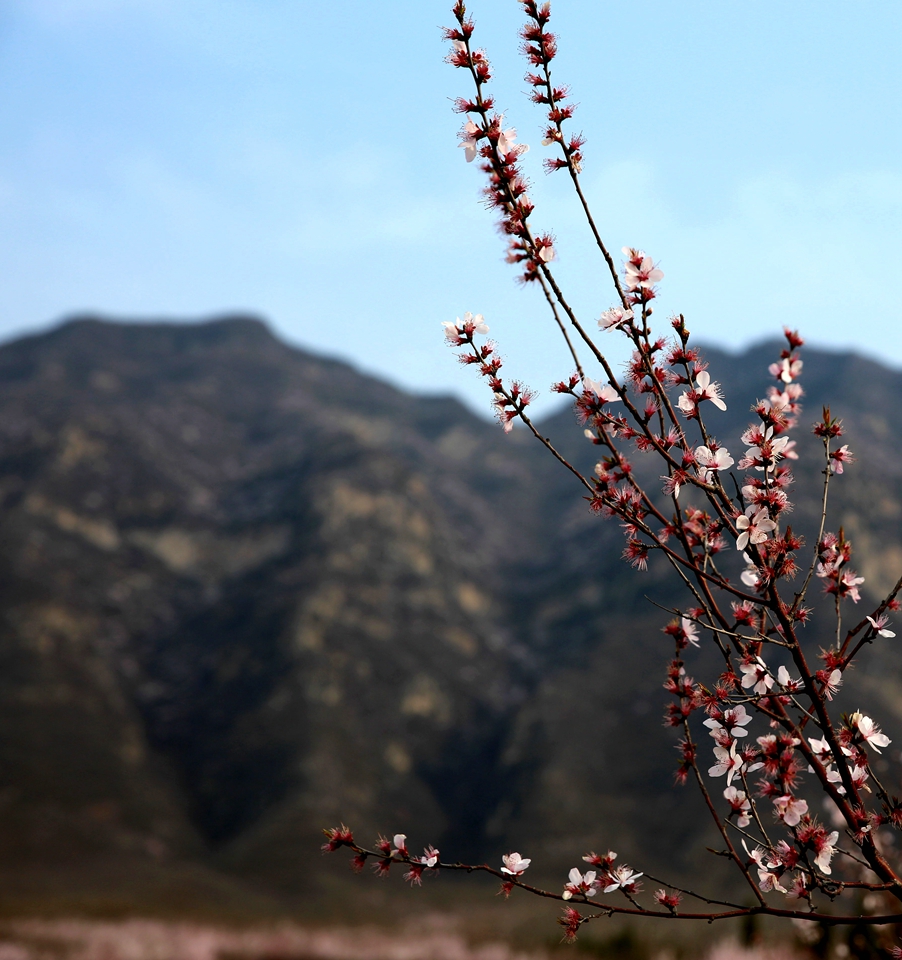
x: 768, y: 712
x: 509, y: 402
x: 833, y: 556
x: 484, y: 136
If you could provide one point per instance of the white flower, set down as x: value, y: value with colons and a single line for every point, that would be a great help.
x: 825, y: 854
x: 834, y: 776
x: 786, y: 682
x: 577, y: 878
x: 453, y: 331
x: 400, y: 841
x: 769, y: 881
x: 766, y: 879
x: 834, y: 682
x: 621, y: 876
x: 750, y: 575
x: 870, y: 732
x: 514, y: 864
x: 727, y: 763
x: 605, y: 393
x: 479, y: 325
x: 709, y: 460
x: 755, y: 675
x: 690, y: 630
x: 615, y: 317
x: 821, y: 750
x: 580, y: 883
x: 880, y: 626
x: 734, y: 720
x: 430, y: 857
x: 708, y: 390
x: 754, y: 527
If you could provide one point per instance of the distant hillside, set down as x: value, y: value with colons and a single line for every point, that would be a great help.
x: 247, y: 592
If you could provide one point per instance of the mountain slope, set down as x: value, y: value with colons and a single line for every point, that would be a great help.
x: 247, y: 592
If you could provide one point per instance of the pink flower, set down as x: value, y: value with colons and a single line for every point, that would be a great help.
x: 849, y: 584
x: 415, y: 874
x: 833, y: 683
x: 790, y: 810
x: 787, y: 370
x: 506, y: 144
x: 615, y: 317
x: 860, y: 775
x: 674, y: 482
x: 639, y: 270
x: 754, y: 527
x: 870, y: 732
x: 839, y: 457
x: 687, y: 404
x: 400, y: 842
x: 599, y: 860
x: 671, y: 900
x: 703, y: 390
x: 880, y: 625
x: 798, y: 890
x: 739, y: 803
x: 514, y: 864
x: 469, y: 138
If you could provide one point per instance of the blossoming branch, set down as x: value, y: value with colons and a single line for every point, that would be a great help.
x: 721, y: 522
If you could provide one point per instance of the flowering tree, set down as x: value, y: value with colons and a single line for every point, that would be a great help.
x: 769, y: 710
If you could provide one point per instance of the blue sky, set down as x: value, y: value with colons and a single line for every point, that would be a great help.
x: 182, y: 158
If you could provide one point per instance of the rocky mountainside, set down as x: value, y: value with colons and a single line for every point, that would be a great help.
x: 248, y: 592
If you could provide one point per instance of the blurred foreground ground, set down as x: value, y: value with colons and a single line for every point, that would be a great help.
x: 432, y: 938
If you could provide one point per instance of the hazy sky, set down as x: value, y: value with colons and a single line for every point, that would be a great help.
x: 181, y: 158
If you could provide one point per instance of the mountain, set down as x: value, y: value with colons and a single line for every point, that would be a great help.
x: 247, y: 592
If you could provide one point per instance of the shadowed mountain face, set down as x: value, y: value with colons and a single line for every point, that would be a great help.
x: 248, y: 592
